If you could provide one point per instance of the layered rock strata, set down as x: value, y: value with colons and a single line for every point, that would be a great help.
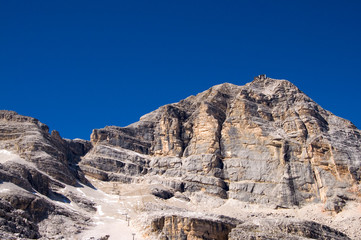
x: 262, y: 229
x: 265, y: 142
x: 193, y: 228
x: 34, y: 168
x: 30, y: 139
x: 221, y: 228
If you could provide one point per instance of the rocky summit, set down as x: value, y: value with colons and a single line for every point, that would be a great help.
x: 259, y: 161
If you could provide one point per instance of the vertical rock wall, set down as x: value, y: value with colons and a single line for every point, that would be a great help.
x: 270, y: 143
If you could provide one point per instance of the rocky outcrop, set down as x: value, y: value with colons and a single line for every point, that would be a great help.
x: 21, y: 213
x: 30, y: 139
x: 114, y: 164
x: 262, y: 229
x: 162, y: 192
x: 189, y: 127
x: 265, y: 142
x: 178, y: 227
x: 196, y: 227
x: 16, y: 223
x: 39, y: 164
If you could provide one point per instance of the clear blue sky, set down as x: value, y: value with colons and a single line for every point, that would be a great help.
x: 80, y: 65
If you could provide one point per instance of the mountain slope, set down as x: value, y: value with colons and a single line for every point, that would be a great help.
x: 233, y: 162
x: 265, y: 142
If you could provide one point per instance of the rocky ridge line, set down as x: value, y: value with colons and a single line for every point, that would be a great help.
x: 265, y: 143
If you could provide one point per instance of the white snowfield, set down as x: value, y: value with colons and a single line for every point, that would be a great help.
x: 111, y: 217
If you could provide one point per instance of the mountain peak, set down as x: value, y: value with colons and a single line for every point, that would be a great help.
x: 268, y: 85
x: 263, y: 143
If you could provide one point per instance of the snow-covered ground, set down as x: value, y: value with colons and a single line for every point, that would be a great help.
x: 112, y: 217
x: 7, y: 156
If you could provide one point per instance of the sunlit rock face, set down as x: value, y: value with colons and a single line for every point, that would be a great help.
x: 233, y: 162
x: 193, y: 228
x: 222, y: 228
x: 283, y: 229
x: 31, y: 140
x: 35, y: 166
x: 266, y: 142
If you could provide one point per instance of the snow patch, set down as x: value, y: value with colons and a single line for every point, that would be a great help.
x: 78, y: 189
x: 121, y: 212
x: 110, y: 201
x: 6, y: 152
x: 10, y: 187
x: 99, y: 209
x: 4, y: 190
x: 6, y: 156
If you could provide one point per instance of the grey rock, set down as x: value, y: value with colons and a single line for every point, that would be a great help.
x: 162, y: 192
x: 191, y: 227
x: 16, y: 223
x: 30, y: 139
x: 265, y: 142
x: 40, y: 164
x: 284, y: 229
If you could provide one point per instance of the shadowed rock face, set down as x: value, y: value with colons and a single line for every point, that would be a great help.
x: 16, y: 222
x: 265, y: 142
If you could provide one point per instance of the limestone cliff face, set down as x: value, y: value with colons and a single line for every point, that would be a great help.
x: 34, y: 165
x: 192, y: 228
x: 30, y: 139
x: 263, y: 229
x: 265, y: 142
x: 177, y: 227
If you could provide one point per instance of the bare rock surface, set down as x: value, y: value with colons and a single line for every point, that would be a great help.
x: 30, y: 139
x: 265, y: 142
x: 259, y: 161
x: 284, y: 229
x: 188, y: 227
x: 34, y: 168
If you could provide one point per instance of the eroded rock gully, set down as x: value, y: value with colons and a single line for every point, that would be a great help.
x: 262, y: 144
